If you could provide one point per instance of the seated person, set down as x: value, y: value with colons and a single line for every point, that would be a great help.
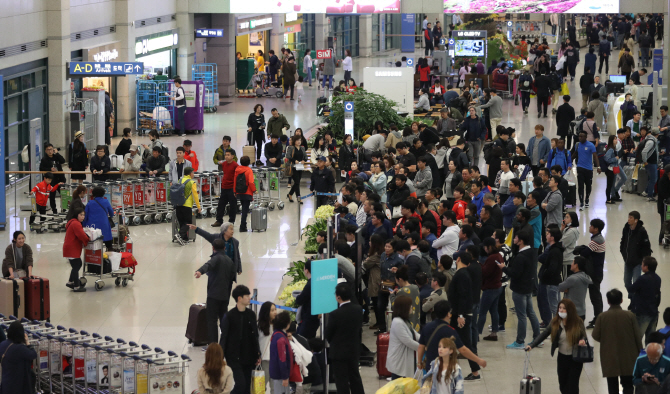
x: 437, y: 94
x: 651, y: 369
x: 155, y: 165
x: 423, y: 105
x: 18, y: 261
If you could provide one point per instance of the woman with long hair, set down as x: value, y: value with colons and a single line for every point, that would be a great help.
x: 75, y: 240
x: 570, y: 230
x: 298, y: 132
x: 567, y: 331
x: 295, y: 154
x: 424, y: 74
x: 346, y: 154
x: 403, y: 340
x: 215, y: 376
x: 444, y: 371
x: 451, y: 181
x: 491, y: 288
x: 77, y: 202
x: 612, y: 160
x: 389, y: 163
x: 318, y: 149
x: 256, y: 130
x: 521, y: 157
x: 372, y: 266
x: 378, y: 179
x: 266, y: 315
x: 124, y: 144
x: 17, y: 361
x: 78, y: 157
x: 18, y: 261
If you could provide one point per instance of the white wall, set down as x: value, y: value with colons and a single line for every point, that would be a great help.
x: 153, y: 8
x: 22, y: 22
x: 211, y: 6
x: 90, y: 14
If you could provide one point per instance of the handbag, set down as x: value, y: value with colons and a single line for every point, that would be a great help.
x: 616, y: 170
x: 397, y: 212
x: 386, y: 283
x: 111, y: 221
x: 583, y: 354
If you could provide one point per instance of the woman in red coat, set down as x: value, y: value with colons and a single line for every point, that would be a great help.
x: 75, y: 240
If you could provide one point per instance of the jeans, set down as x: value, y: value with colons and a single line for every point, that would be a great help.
x: 309, y: 76
x: 523, y: 305
x: 380, y: 310
x: 621, y: 180
x: 242, y: 377
x: 645, y: 56
x: 596, y: 297
x: 52, y: 198
x: 610, y: 184
x: 502, y: 307
x: 180, y: 117
x: 489, y: 304
x: 259, y: 140
x: 604, y: 59
x: 184, y: 216
x: 631, y: 274
x: 568, y: 372
x: 652, y: 173
x: 227, y: 198
x: 347, y: 77
x: 328, y: 78
x: 74, y: 273
x: 547, y: 302
x: 525, y: 100
x: 584, y: 178
x: 542, y: 104
x: 626, y: 384
x: 553, y: 29
x: 473, y: 152
x: 647, y: 325
x: 245, y: 212
x: 215, y: 311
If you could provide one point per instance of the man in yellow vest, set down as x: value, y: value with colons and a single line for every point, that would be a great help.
x: 184, y: 212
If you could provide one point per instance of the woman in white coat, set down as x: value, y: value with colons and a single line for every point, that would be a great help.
x: 403, y: 341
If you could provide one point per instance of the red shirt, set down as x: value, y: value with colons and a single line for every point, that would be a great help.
x: 193, y: 158
x: 42, y: 191
x: 459, y: 209
x: 228, y: 174
x: 75, y: 239
x: 424, y: 71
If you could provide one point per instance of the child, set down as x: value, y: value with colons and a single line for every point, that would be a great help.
x: 319, y: 76
x: 299, y: 89
x: 459, y: 204
x: 553, y: 143
x: 444, y: 370
x: 41, y: 192
x: 191, y: 155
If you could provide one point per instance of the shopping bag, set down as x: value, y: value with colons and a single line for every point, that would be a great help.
x: 565, y: 90
x: 570, y: 177
x: 510, y: 238
x: 258, y: 381
x: 425, y: 384
x: 115, y: 259
x: 400, y: 386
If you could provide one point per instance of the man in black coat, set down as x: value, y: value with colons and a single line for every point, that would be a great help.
x: 322, y: 181
x: 221, y: 273
x: 564, y: 116
x: 273, y: 152
x: 543, y: 85
x: 310, y: 323
x: 634, y: 247
x: 645, y: 296
x: 550, y: 276
x: 343, y: 333
x: 53, y: 161
x: 585, y: 83
x: 663, y: 194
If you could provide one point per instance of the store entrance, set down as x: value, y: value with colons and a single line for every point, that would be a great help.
x: 108, y: 84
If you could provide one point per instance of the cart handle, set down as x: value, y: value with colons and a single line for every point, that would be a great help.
x: 86, y: 345
x: 82, y: 332
x: 171, y: 353
x: 35, y: 322
x: 61, y: 328
x: 96, y: 335
x: 121, y: 341
x: 61, y: 339
x: 110, y: 351
x: 73, y: 331
x: 51, y: 337
x: 4, y: 327
x: 74, y: 342
x: 2, y: 316
x: 159, y: 350
x: 133, y: 344
x: 146, y: 347
x: 123, y: 354
x: 49, y: 325
x: 185, y: 357
x: 109, y: 339
x: 36, y: 336
x: 24, y: 320
x: 12, y: 317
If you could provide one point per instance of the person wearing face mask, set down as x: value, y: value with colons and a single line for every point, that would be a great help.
x: 567, y: 331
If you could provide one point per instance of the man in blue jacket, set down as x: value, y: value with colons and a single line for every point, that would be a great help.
x: 538, y: 149
x: 560, y: 156
x: 532, y: 203
x: 510, y: 207
x: 604, y: 52
x: 475, y: 134
x: 478, y: 195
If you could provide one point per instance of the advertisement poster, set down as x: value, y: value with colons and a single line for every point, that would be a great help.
x: 324, y: 280
x: 256, y: 39
x: 103, y: 373
x: 317, y: 7
x: 189, y: 92
x: 116, y: 376
x: 531, y: 6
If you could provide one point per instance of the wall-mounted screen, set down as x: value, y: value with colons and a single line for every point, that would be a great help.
x: 531, y: 6
x: 316, y: 6
x: 469, y: 48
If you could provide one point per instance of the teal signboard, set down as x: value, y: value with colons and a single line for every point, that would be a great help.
x: 324, y: 280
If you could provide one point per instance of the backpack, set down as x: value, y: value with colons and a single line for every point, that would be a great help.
x: 165, y: 152
x: 576, y: 126
x: 241, y: 186
x: 425, y: 266
x: 554, y: 152
x: 638, y: 151
x: 180, y: 192
x: 601, y: 149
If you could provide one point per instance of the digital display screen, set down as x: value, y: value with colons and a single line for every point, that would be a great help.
x: 469, y: 48
x: 316, y: 7
x: 208, y: 33
x: 531, y: 6
x: 618, y: 78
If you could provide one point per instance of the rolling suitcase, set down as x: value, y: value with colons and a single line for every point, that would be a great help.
x: 572, y: 195
x: 259, y: 218
x: 530, y: 384
x: 37, y: 299
x: 196, y: 329
x: 629, y: 186
x: 382, y: 351
x: 12, y: 301
x: 175, y: 226
x: 250, y: 152
x: 642, y: 179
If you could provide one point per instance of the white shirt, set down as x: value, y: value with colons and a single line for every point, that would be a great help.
x: 524, y: 248
x: 447, y: 243
x: 424, y: 24
x: 347, y: 64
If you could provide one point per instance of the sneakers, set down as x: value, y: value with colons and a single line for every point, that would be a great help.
x: 581, y: 207
x: 217, y: 224
x: 540, y: 345
x: 650, y: 199
x: 70, y: 285
x: 179, y: 240
x: 501, y: 328
x: 80, y: 290
x: 243, y: 229
x: 644, y: 194
x: 512, y: 310
x: 587, y: 204
x: 472, y: 378
x: 543, y: 325
x: 515, y: 346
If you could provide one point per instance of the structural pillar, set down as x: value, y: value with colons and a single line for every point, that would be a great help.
x: 321, y: 31
x: 58, y: 34
x: 223, y: 52
x: 365, y: 35
x: 125, y: 86
x: 277, y: 33
x: 666, y: 48
x: 186, y: 50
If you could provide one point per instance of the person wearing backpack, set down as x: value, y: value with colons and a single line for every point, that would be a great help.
x: 184, y: 211
x: 525, y: 88
x: 245, y: 187
x: 560, y: 156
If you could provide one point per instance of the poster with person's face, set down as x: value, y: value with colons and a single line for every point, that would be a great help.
x: 103, y: 373
x: 256, y: 39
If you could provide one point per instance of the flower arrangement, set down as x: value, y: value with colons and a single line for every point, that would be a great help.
x: 324, y: 212
x: 310, y: 232
x: 287, y: 294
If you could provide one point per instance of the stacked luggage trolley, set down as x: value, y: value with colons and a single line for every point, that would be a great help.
x: 267, y: 181
x: 70, y: 362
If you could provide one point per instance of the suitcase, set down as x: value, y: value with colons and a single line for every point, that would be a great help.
x: 37, y: 299
x: 259, y: 218
x: 196, y: 329
x: 95, y: 268
x: 382, y: 351
x: 250, y: 152
x: 116, y: 161
x: 630, y: 185
x: 175, y: 226
x: 642, y: 179
x: 530, y: 384
x: 572, y: 195
x: 320, y: 105
x: 12, y: 301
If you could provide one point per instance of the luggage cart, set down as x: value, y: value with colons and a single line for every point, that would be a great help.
x: 207, y: 72
x: 162, y: 191
x: 274, y: 176
x: 46, y: 221
x: 136, y: 191
x: 94, y: 256
x: 153, y: 108
x: 212, y: 198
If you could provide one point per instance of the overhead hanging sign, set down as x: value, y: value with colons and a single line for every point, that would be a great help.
x: 532, y: 6
x: 106, y: 68
x: 208, y: 33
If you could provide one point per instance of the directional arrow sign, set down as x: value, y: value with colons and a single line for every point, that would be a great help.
x: 105, y: 68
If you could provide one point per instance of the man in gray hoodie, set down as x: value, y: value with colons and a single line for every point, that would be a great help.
x: 424, y: 177
x: 576, y: 285
x: 553, y: 203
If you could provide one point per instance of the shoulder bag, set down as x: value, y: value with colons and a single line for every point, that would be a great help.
x: 111, y: 221
x: 583, y: 354
x: 288, y: 169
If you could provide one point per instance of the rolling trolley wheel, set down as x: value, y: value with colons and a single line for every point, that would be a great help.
x: 117, y: 282
x: 264, y: 204
x: 147, y: 219
x: 158, y: 217
x: 99, y: 285
x: 168, y: 217
x: 271, y: 206
x: 137, y: 220
x: 124, y: 283
x: 126, y: 220
x: 83, y: 281
x: 212, y: 212
x: 280, y: 206
x: 279, y: 94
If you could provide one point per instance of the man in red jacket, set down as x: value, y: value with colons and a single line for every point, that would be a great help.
x: 42, y: 191
x: 228, y: 166
x: 245, y: 187
x: 191, y: 156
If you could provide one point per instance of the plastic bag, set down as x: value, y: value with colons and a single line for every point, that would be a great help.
x: 258, y: 381
x: 115, y: 259
x: 570, y: 177
x: 400, y: 386
x: 565, y: 90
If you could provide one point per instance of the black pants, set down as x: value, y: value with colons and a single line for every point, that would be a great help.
x: 242, y: 377
x: 295, y: 188
x: 40, y: 211
x: 52, y: 198
x: 611, y: 178
x: 429, y: 47
x: 227, y: 197
x: 571, y: 69
x: 568, y: 374
x: 596, y: 297
x: 74, y: 273
x: 347, y: 77
x: 661, y: 234
x: 309, y: 326
x: 525, y: 100
x: 568, y: 140
x: 245, y: 212
x: 626, y: 383
x: 584, y: 179
x: 184, y: 216
x: 380, y: 310
x: 604, y: 59
x: 502, y: 308
x: 466, y: 337
x: 542, y: 103
x: 535, y: 170
x: 627, y: 74
x: 259, y: 140
x: 108, y: 124
x: 286, y: 90
x: 347, y: 377
x: 321, y: 200
x: 181, y: 111
x: 215, y: 311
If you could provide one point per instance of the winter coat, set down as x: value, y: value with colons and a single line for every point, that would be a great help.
x: 474, y: 128
x: 221, y: 272
x: 98, y: 210
x: 275, y: 125
x: 55, y: 161
x: 388, y: 262
x: 620, y: 341
x: 423, y: 181
x: 597, y: 107
x: 289, y: 74
x: 10, y: 262
x: 174, y: 174
x: 635, y: 244
x: 42, y: 191
x: 403, y: 342
x: 552, y: 265
x: 17, y: 368
x: 227, y: 380
x: 281, y: 356
x: 544, y: 147
x: 75, y: 239
x: 346, y: 157
x: 564, y: 116
x: 569, y: 241
x: 373, y: 267
x: 554, y: 208
x: 100, y: 164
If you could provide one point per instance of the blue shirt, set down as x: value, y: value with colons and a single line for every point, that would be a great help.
x: 666, y: 330
x: 433, y: 252
x: 585, y: 155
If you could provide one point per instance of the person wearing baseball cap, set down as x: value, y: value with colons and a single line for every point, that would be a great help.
x: 322, y: 181
x: 131, y: 163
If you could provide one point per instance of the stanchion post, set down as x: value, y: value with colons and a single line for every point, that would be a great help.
x: 16, y: 212
x: 325, y: 353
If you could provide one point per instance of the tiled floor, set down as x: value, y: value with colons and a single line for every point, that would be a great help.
x: 153, y: 309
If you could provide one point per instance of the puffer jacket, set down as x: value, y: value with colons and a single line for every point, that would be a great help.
x: 75, y: 239
x: 635, y: 244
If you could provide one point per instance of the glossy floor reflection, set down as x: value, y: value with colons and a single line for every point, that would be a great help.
x: 154, y: 308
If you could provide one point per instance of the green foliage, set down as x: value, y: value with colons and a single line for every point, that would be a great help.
x: 369, y: 108
x: 296, y: 271
x: 310, y: 232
